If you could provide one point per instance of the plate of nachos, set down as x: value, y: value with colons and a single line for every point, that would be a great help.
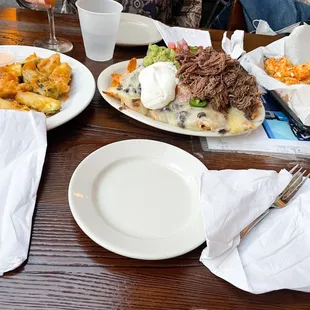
x: 183, y: 89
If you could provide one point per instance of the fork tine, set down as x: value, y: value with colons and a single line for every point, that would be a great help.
x: 298, y: 171
x: 295, y: 180
x: 293, y: 169
x: 290, y: 194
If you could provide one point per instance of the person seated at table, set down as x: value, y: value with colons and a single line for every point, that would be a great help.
x: 171, y: 12
x: 277, y: 13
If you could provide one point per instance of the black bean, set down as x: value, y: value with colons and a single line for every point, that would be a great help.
x: 222, y: 131
x: 126, y: 90
x: 201, y: 114
x: 182, y: 115
x: 181, y: 124
x: 175, y: 106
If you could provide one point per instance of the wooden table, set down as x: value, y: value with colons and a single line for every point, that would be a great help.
x: 65, y: 269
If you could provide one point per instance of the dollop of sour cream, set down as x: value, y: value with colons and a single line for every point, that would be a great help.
x: 158, y: 84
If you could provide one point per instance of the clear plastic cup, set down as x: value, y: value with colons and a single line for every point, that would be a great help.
x: 99, y: 20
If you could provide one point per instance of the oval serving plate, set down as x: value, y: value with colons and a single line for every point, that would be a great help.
x: 104, y: 81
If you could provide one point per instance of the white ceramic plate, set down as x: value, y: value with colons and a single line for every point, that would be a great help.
x: 137, y: 30
x: 104, y: 81
x: 140, y: 199
x: 83, y: 84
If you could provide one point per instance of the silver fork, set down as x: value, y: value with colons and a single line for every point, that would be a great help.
x: 282, y: 199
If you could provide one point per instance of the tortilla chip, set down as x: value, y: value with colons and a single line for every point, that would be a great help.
x: 132, y: 65
x: 116, y: 80
x: 114, y: 95
x: 114, y: 83
x: 255, y: 114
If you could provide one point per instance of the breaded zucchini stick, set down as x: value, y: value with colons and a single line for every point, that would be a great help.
x: 38, y: 102
x: 12, y: 105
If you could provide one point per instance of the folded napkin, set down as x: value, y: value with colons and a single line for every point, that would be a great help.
x: 234, y: 45
x: 196, y: 37
x: 193, y: 37
x: 22, y: 152
x: 273, y: 255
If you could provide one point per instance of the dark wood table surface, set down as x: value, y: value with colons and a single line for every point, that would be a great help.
x: 67, y: 270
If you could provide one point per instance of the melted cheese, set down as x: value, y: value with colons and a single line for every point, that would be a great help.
x: 184, y: 116
x: 237, y: 122
x: 130, y: 83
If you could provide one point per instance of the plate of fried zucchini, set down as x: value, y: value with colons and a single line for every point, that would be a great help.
x: 44, y: 81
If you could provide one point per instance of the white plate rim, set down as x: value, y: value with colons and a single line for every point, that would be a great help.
x: 147, y: 21
x: 199, y: 239
x: 105, y: 78
x: 65, y: 115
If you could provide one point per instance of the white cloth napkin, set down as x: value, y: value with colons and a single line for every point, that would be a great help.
x: 234, y: 45
x: 276, y: 253
x: 193, y: 37
x: 22, y: 151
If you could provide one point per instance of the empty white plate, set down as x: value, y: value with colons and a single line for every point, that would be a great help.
x: 140, y: 199
x: 137, y: 30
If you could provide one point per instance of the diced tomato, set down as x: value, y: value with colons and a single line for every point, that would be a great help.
x: 181, y: 45
x: 172, y: 46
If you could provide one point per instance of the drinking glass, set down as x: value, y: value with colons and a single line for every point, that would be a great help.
x: 99, y: 22
x: 52, y: 43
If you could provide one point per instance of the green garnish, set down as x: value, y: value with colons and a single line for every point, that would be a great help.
x: 159, y: 53
x: 197, y: 103
x: 194, y: 49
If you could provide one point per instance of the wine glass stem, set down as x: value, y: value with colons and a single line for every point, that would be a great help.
x: 50, y: 14
x: 64, y: 7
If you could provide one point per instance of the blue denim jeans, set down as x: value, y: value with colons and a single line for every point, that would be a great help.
x: 278, y: 13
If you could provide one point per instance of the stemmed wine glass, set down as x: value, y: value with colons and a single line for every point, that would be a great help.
x: 56, y: 44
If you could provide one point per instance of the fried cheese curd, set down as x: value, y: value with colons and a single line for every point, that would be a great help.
x: 284, y: 71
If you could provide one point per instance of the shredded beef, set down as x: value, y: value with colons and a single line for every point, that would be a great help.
x: 216, y: 77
